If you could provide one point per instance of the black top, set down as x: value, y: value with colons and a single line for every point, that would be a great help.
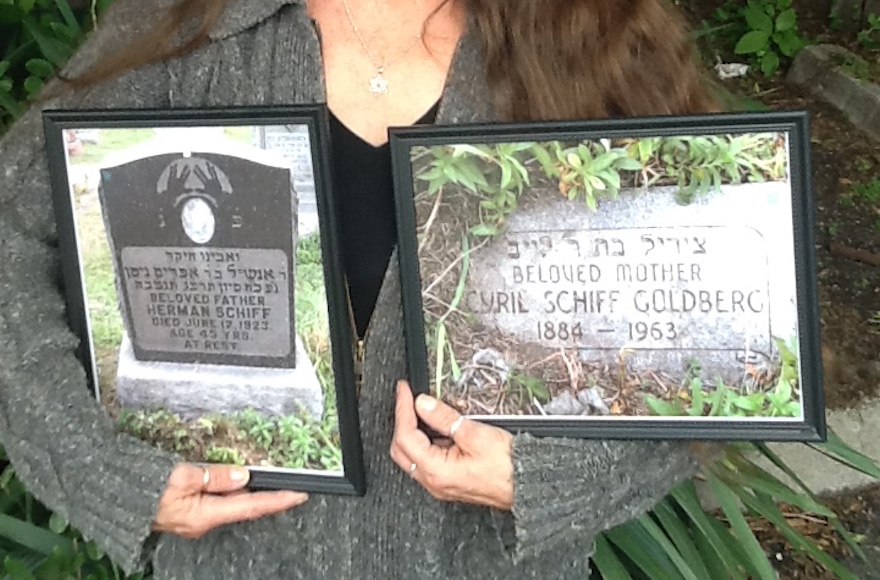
x: 365, y: 201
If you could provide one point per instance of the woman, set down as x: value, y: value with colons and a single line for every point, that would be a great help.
x: 480, y: 60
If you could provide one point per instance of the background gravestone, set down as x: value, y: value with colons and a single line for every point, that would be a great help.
x: 204, y: 251
x: 291, y: 142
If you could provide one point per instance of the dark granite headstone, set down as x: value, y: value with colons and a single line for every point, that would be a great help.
x: 204, y: 246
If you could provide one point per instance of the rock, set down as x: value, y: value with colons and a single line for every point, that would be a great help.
x: 565, y: 404
x: 591, y: 399
x: 485, y: 361
x: 818, y: 70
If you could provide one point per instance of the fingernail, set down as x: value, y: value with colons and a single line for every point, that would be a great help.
x: 427, y: 403
x: 238, y: 475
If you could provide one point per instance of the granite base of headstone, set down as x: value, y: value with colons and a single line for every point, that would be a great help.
x: 195, y: 390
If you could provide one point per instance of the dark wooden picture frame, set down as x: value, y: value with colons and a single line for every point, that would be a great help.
x: 200, y: 249
x: 532, y: 300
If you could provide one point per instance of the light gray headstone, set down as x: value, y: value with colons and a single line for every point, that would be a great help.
x: 647, y: 278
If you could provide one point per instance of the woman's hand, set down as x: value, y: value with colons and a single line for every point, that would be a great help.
x: 473, y: 466
x: 198, y: 499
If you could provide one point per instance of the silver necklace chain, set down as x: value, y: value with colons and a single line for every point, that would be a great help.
x: 378, y: 83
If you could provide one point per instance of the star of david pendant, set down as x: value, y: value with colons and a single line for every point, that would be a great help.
x: 378, y: 84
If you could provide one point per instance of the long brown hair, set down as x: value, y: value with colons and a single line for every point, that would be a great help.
x: 545, y: 59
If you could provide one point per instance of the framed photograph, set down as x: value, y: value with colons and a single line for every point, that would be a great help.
x: 648, y: 278
x: 202, y: 274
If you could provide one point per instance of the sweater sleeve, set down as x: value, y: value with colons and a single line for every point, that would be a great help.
x: 568, y: 488
x: 62, y: 445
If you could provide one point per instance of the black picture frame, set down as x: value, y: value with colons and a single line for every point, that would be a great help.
x: 430, y: 157
x: 336, y: 464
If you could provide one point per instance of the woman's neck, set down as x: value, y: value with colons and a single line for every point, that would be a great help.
x: 385, y: 66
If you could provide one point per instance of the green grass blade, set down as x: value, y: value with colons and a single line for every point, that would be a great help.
x: 762, y: 506
x: 68, y: 16
x: 438, y: 369
x: 836, y: 449
x: 465, y: 266
x: 31, y: 536
x: 835, y: 521
x: 720, y: 540
x: 751, y: 476
x: 664, y: 542
x: 760, y: 566
x: 678, y: 533
x: 714, y: 563
x: 607, y: 562
x: 637, y: 544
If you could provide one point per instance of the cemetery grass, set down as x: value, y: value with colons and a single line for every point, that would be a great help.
x: 110, y: 141
x: 245, y: 438
x: 513, y: 377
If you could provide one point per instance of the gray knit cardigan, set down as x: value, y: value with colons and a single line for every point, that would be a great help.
x: 69, y: 455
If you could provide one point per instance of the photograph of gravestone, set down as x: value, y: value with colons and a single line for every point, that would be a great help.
x: 608, y: 279
x: 204, y: 286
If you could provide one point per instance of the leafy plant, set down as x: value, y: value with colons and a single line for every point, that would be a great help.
x: 695, y: 400
x: 702, y: 164
x: 38, y: 36
x: 678, y: 539
x: 224, y: 455
x: 533, y: 386
x: 869, y: 192
x: 771, y: 33
x: 592, y: 169
x: 36, y: 544
x: 870, y: 37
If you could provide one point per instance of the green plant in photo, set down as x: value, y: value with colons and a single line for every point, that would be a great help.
x: 772, y: 33
x: 703, y: 164
x: 591, y: 170
x: 110, y: 141
x: 534, y: 387
x: 695, y: 399
x: 223, y: 455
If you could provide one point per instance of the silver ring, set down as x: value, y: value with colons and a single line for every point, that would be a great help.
x: 455, y: 426
x: 206, y: 477
x: 412, y: 467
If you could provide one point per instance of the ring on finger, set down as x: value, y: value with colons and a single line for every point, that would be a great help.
x: 455, y: 426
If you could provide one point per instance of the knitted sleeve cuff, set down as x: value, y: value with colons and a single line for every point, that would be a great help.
x: 568, y: 489
x: 108, y: 489
x: 65, y: 449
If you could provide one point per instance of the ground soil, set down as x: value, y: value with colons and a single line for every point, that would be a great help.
x: 849, y: 291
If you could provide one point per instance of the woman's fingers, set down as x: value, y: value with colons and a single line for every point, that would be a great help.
x: 444, y: 419
x: 198, y: 499
x: 221, y: 510
x: 408, y: 439
x: 473, y: 465
x: 209, y: 478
